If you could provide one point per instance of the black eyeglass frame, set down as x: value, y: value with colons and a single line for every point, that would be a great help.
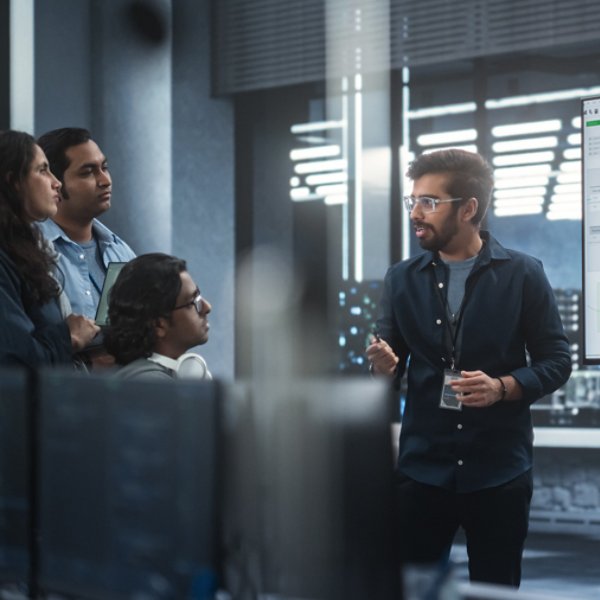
x: 197, y: 302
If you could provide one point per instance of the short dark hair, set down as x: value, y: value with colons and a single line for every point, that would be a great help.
x: 470, y: 175
x: 145, y: 290
x: 55, y: 144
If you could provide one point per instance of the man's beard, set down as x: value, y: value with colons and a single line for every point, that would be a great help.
x: 440, y: 239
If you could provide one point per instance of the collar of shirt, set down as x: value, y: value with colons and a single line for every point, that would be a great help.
x: 492, y: 250
x: 52, y: 231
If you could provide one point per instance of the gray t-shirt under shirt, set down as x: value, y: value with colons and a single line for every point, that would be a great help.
x: 457, y: 278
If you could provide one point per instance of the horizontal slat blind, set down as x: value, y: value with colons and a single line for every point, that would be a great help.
x: 271, y: 43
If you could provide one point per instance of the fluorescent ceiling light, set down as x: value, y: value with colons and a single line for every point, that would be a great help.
x: 572, y: 153
x: 569, y: 177
x: 321, y: 178
x: 567, y: 188
x: 576, y: 122
x: 332, y: 190
x: 542, y: 97
x: 302, y: 194
x: 527, y: 128
x: 441, y: 111
x: 447, y: 137
x: 521, y: 182
x: 518, y: 210
x: 524, y: 171
x: 563, y: 199
x: 549, y: 141
x: 571, y: 166
x: 520, y: 192
x: 558, y: 216
x: 523, y: 158
x: 317, y: 166
x: 522, y: 201
x: 316, y: 126
x: 574, y: 139
x: 566, y: 211
x: 318, y: 152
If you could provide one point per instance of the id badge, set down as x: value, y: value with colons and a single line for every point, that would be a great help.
x: 448, y: 399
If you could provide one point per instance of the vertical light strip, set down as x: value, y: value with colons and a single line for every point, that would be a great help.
x: 406, y: 231
x: 358, y: 199
x: 22, y: 65
x: 345, y: 221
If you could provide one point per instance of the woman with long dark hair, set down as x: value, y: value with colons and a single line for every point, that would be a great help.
x: 34, y: 329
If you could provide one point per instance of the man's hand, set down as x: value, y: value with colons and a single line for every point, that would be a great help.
x: 382, y: 357
x: 477, y: 389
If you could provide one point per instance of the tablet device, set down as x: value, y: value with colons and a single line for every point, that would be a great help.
x: 112, y: 272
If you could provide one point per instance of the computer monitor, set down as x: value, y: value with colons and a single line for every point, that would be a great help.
x: 590, y: 161
x: 15, y: 488
x: 310, y: 484
x: 128, y: 487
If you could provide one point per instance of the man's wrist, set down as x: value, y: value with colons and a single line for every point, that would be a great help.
x: 503, y: 390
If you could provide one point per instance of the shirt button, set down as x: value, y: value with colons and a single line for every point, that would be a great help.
x: 440, y: 285
x: 438, y: 321
x: 459, y: 426
x: 460, y: 463
x: 81, y: 256
x: 88, y: 292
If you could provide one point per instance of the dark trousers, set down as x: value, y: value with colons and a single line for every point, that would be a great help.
x: 494, y: 520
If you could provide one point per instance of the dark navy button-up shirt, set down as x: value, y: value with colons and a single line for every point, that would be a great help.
x: 508, y: 309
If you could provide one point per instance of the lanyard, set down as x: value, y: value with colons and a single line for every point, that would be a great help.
x: 452, y: 337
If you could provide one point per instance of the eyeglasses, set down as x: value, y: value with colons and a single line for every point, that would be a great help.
x: 426, y: 204
x: 197, y: 303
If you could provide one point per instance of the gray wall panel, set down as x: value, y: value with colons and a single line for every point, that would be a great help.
x: 203, y: 178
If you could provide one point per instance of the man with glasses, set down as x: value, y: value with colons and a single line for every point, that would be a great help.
x: 156, y: 314
x: 477, y: 329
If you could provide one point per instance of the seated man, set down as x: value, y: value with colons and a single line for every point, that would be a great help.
x: 156, y: 314
x: 84, y: 245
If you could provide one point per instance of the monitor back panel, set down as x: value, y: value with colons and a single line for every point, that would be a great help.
x: 14, y: 479
x: 128, y: 484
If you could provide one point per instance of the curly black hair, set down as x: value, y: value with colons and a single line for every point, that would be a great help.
x: 19, y: 238
x: 145, y: 290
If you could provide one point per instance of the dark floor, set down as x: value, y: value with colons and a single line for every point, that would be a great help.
x: 561, y: 565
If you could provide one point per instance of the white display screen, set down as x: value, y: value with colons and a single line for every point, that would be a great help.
x: 590, y: 126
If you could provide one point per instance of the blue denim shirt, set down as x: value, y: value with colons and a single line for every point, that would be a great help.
x: 72, y: 268
x: 508, y: 309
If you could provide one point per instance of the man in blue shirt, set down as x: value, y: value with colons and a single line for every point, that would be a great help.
x: 478, y: 326
x: 84, y: 245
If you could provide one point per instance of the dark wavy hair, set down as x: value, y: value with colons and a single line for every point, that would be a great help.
x: 145, y: 290
x: 470, y: 175
x: 19, y: 238
x: 55, y: 144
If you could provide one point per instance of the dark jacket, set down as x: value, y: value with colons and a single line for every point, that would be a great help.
x: 30, y: 335
x: 509, y: 309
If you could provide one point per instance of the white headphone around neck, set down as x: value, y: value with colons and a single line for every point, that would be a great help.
x: 192, y: 366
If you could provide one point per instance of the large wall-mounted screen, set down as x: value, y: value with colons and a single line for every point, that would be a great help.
x: 590, y: 121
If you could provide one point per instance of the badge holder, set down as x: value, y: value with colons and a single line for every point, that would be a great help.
x: 448, y: 399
